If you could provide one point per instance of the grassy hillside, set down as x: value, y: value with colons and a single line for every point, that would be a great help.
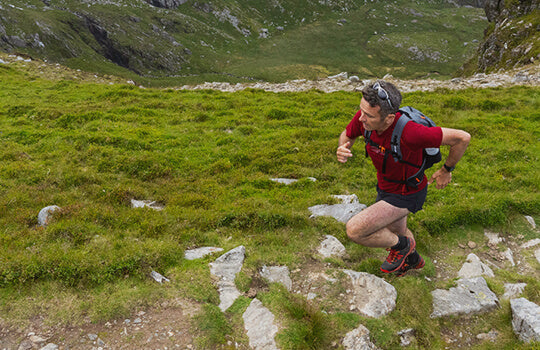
x: 221, y: 40
x: 208, y: 158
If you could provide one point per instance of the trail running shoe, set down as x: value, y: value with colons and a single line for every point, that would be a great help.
x: 406, y: 266
x: 396, y: 258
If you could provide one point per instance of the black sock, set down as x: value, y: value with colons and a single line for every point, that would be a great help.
x: 413, y: 258
x: 401, y: 244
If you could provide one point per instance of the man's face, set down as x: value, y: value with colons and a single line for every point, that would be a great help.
x: 370, y: 118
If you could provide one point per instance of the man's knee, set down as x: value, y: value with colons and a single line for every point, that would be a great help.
x: 357, y: 229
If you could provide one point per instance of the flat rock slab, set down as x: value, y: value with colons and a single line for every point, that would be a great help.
x: 470, y: 296
x: 277, y: 274
x: 259, y: 326
x: 331, y: 247
x: 340, y: 212
x: 474, y: 268
x: 225, y: 268
x: 525, y: 319
x: 372, y: 296
x: 199, y: 253
x: 358, y: 339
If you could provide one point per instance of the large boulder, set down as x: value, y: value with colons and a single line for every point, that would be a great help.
x: 525, y: 319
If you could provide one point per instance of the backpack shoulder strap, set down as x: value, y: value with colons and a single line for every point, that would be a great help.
x: 396, y: 134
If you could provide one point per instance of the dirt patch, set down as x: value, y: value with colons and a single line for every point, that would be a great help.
x: 165, y: 326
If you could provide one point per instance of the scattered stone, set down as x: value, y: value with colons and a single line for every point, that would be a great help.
x: 474, y: 268
x: 340, y: 212
x: 290, y: 181
x: 470, y: 296
x: 509, y: 256
x: 491, y: 336
x: 25, y: 345
x: 525, y: 319
x: 158, y: 277
x: 471, y: 244
x: 372, y: 296
x: 92, y: 337
x: 45, y: 214
x: 260, y: 327
x: 331, y: 247
x: 199, y: 253
x: 530, y: 243
x: 537, y: 255
x: 530, y: 220
x: 347, y: 198
x: 36, y: 339
x: 358, y: 339
x: 50, y: 346
x: 311, y: 296
x: 462, y: 246
x: 354, y: 79
x: 277, y: 274
x: 406, y: 336
x: 146, y: 203
x: 493, y: 238
x: 342, y: 75
x: 252, y: 293
x: 512, y: 290
x: 226, y: 267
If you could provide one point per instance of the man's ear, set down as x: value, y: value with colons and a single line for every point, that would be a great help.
x: 389, y: 119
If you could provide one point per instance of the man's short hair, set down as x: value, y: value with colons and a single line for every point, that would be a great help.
x: 371, y: 95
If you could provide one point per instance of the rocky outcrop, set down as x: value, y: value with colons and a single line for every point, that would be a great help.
x: 512, y: 40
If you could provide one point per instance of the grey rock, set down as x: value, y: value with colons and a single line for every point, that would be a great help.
x: 45, y: 214
x: 50, y: 346
x: 354, y: 79
x: 277, y: 274
x: 509, y: 256
x: 92, y: 337
x: 358, y: 339
x: 158, y: 277
x: 342, y: 75
x: 25, y: 345
x: 406, y: 336
x: 146, y: 203
x: 260, y: 327
x: 490, y: 336
x: 289, y: 181
x: 331, y: 247
x: 199, y: 253
x: 372, y: 296
x: 226, y: 267
x: 493, y: 238
x: 340, y: 212
x: 525, y: 319
x: 531, y: 243
x: 512, y: 290
x: 470, y: 296
x: 474, y: 268
x: 531, y: 221
x: 537, y: 255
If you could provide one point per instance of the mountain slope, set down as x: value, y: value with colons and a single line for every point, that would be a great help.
x: 237, y: 40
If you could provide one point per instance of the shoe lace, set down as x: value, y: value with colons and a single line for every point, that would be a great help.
x: 393, y: 256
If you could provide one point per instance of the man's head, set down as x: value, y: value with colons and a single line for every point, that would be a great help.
x: 383, y: 94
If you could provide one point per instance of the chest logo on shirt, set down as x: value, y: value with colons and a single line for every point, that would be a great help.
x: 378, y: 149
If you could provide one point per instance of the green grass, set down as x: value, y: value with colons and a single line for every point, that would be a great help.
x: 208, y: 156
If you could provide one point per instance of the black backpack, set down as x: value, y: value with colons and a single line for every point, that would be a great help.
x: 430, y: 155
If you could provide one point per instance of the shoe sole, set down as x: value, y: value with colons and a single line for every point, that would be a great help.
x: 411, y: 248
x: 418, y: 266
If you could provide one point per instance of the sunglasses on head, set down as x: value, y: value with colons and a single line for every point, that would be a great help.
x: 383, y: 95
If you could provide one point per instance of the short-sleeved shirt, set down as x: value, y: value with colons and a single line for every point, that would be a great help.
x: 414, y: 139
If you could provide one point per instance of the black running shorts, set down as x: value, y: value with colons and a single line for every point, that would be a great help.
x: 412, y: 202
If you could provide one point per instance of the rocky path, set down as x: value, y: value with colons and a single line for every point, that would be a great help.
x: 527, y: 75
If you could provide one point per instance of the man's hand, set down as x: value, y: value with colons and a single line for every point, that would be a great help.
x: 344, y: 152
x: 441, y: 177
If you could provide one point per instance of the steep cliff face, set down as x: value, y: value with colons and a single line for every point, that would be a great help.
x: 513, y: 38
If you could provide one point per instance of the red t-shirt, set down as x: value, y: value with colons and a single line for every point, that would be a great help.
x: 414, y: 139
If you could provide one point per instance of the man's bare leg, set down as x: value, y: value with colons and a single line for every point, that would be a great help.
x: 379, y: 225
